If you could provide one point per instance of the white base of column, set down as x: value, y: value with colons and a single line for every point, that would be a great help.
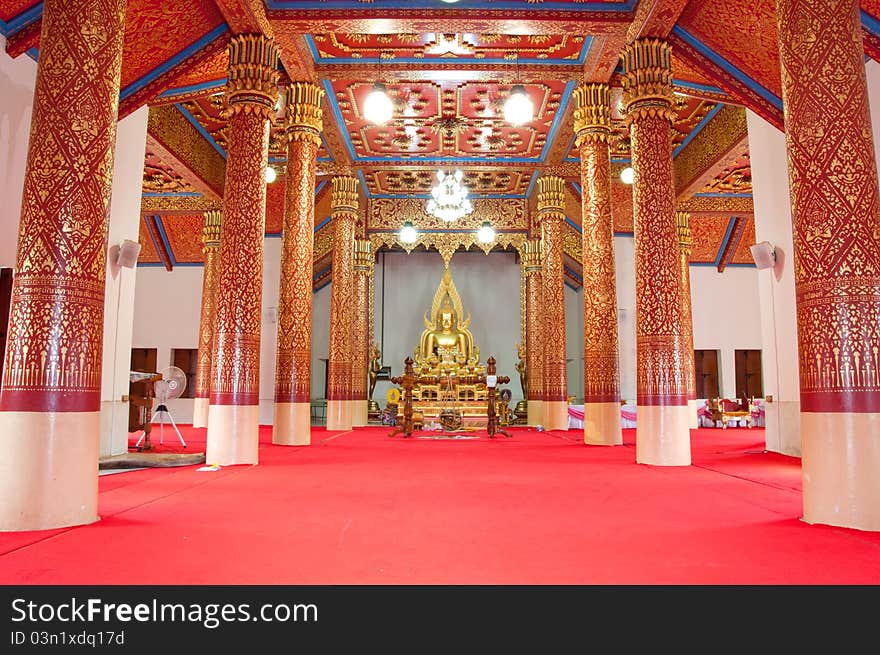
x: 782, y: 422
x: 602, y: 424
x: 292, y: 424
x: 114, y: 428
x: 48, y: 469
x: 841, y: 469
x: 360, y: 412
x: 536, y: 413
x: 200, y: 412
x: 692, y: 412
x: 663, y: 435
x: 233, y: 435
x: 555, y: 415
x: 339, y: 414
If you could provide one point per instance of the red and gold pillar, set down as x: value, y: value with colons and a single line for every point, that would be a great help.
x: 836, y: 228
x: 551, y: 213
x: 211, y: 250
x: 50, y: 398
x: 592, y: 125
x: 683, y: 220
x: 662, y: 427
x: 344, y: 205
x: 251, y: 93
x: 293, y: 367
x: 533, y: 264
x: 360, y: 331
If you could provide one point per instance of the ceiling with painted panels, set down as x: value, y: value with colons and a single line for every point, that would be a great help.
x: 448, y: 87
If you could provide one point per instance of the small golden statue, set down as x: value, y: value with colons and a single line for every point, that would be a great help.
x: 375, y: 354
x: 522, y: 370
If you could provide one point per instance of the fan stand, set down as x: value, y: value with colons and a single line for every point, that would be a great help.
x: 161, y: 410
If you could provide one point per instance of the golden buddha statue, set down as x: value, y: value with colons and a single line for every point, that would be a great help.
x: 447, y: 341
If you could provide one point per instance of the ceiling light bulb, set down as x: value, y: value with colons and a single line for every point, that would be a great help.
x: 378, y: 107
x: 627, y: 175
x: 486, y: 234
x: 270, y: 175
x: 518, y: 109
x: 408, y: 233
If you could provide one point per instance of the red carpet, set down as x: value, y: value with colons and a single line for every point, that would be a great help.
x: 539, y: 508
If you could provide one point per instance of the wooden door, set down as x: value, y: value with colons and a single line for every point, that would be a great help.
x: 706, y: 367
x: 749, y: 383
x: 5, y: 301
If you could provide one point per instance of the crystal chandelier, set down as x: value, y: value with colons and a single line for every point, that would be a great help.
x: 449, y: 199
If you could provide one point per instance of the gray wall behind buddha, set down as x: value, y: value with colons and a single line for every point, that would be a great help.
x: 489, y: 286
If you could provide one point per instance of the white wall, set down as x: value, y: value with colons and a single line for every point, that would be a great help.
x: 17, y: 79
x: 119, y: 290
x: 769, y: 160
x: 717, y: 324
x: 722, y: 324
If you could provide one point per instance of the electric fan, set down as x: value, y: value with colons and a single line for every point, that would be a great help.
x: 171, y: 386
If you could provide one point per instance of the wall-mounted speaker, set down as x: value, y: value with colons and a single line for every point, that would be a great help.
x: 764, y: 255
x: 128, y: 253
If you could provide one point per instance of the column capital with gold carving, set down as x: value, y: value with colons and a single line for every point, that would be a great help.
x: 303, y: 112
x: 647, y: 79
x: 252, y: 75
x: 683, y: 221
x: 551, y: 195
x: 211, y: 229
x: 363, y: 255
x: 531, y: 254
x: 592, y: 114
x: 344, y: 196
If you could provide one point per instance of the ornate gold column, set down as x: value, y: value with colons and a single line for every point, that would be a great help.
x: 662, y: 428
x: 836, y: 229
x: 683, y: 219
x: 50, y: 398
x: 533, y: 264
x: 211, y: 251
x: 251, y: 93
x: 344, y: 205
x: 360, y: 330
x: 551, y: 214
x: 592, y: 125
x: 292, y: 425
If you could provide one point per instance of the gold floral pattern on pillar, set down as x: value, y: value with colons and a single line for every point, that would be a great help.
x: 294, y: 350
x: 532, y: 265
x: 551, y: 213
x: 660, y: 339
x: 55, y: 339
x: 251, y: 94
x: 833, y: 181
x: 683, y: 220
x: 592, y: 124
x: 360, y: 337
x: 211, y: 250
x: 344, y: 203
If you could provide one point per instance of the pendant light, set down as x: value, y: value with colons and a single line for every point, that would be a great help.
x: 519, y: 109
x: 408, y: 233
x: 378, y: 107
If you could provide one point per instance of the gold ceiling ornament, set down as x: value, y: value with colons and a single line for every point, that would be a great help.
x: 449, y: 126
x: 252, y: 75
x: 446, y: 243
